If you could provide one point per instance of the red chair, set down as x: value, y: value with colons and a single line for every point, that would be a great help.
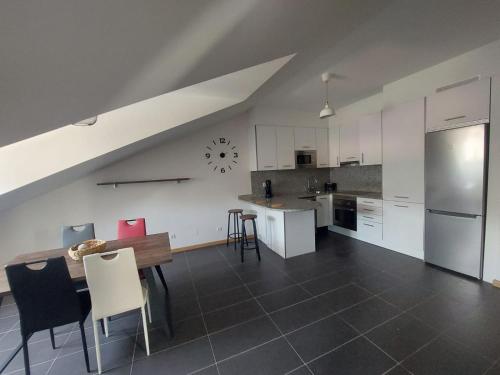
x: 131, y: 228
x: 127, y: 229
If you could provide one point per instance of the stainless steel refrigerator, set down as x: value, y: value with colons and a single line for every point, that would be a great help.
x: 455, y: 194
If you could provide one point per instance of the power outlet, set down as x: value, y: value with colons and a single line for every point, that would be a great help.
x: 219, y: 229
x: 172, y: 236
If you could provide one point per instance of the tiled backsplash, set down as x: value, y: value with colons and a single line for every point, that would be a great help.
x: 288, y: 181
x: 366, y: 178
x: 358, y: 178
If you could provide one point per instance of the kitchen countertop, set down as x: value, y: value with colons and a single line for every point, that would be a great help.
x: 289, y: 202
x: 296, y: 202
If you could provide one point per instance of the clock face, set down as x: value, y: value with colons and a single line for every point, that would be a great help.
x: 221, y: 155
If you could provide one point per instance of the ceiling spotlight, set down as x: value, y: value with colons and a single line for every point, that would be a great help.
x: 327, y: 111
x: 87, y: 122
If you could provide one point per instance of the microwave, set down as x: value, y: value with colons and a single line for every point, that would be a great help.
x: 305, y: 159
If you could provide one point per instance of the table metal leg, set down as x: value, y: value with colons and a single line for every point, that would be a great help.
x: 160, y: 301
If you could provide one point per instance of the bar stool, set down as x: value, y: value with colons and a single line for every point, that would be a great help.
x: 244, y: 240
x: 236, y: 234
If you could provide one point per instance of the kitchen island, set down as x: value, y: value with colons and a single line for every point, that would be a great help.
x: 285, y: 223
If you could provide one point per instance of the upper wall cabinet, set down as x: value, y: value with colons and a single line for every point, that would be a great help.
x: 349, y: 142
x: 463, y: 103
x: 403, y: 152
x: 334, y: 143
x: 322, y: 154
x: 266, y: 148
x: 305, y: 138
x: 285, y: 144
x: 370, y: 139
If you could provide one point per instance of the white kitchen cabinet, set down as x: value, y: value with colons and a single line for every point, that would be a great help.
x: 266, y: 148
x: 285, y: 144
x: 324, y: 214
x: 288, y: 233
x: 369, y: 231
x: 403, y: 229
x: 275, y: 231
x: 305, y: 138
x: 403, y: 152
x: 349, y: 142
x: 334, y: 143
x: 460, y: 104
x: 322, y: 154
x: 370, y: 139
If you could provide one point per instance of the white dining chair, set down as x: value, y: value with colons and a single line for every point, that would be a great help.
x: 115, y: 288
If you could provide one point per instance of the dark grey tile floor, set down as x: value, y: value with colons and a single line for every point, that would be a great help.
x: 349, y: 308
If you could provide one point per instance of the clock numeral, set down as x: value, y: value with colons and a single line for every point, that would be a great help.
x: 207, y: 155
x: 222, y: 170
x: 222, y: 140
x: 235, y: 154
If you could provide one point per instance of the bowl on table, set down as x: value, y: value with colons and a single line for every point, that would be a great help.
x: 78, y: 251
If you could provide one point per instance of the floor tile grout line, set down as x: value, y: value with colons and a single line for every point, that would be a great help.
x: 274, y: 323
x: 57, y: 355
x: 135, y: 345
x: 202, y: 317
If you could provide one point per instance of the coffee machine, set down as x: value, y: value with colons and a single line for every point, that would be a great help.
x: 267, y: 189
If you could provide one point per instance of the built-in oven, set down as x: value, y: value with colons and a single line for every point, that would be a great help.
x: 305, y: 159
x: 344, y: 213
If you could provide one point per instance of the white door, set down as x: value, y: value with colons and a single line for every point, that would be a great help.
x: 266, y: 148
x: 334, y: 141
x: 322, y: 155
x: 370, y: 139
x: 285, y: 147
x: 349, y: 142
x: 459, y: 104
x: 403, y: 152
x: 403, y: 228
x: 324, y: 214
x: 305, y: 139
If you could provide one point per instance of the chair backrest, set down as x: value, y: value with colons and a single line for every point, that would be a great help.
x: 113, y: 282
x: 73, y: 234
x: 45, y: 297
x: 131, y: 228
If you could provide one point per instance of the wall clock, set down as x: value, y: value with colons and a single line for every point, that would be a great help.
x: 221, y: 155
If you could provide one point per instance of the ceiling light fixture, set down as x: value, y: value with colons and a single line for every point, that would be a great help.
x: 87, y: 122
x: 327, y: 111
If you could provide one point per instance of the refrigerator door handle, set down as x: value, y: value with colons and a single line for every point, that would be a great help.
x: 446, y: 213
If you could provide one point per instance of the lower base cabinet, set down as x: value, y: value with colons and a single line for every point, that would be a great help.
x: 404, y: 228
x: 370, y: 231
x: 287, y: 233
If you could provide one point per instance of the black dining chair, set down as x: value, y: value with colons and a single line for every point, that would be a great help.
x: 46, y: 298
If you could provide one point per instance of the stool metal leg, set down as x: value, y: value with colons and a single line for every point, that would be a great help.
x: 256, y: 239
x: 228, y: 226
x: 235, y: 231
x: 243, y: 238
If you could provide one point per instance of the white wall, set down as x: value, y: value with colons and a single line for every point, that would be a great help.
x: 351, y: 113
x: 275, y: 116
x: 191, y: 210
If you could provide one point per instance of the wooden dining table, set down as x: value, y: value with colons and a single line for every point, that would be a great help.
x: 151, y: 252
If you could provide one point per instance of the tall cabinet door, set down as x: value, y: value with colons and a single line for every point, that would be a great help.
x: 403, y: 152
x: 285, y: 147
x: 370, y: 139
x: 334, y: 143
x: 322, y: 155
x: 266, y: 148
x: 349, y: 142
